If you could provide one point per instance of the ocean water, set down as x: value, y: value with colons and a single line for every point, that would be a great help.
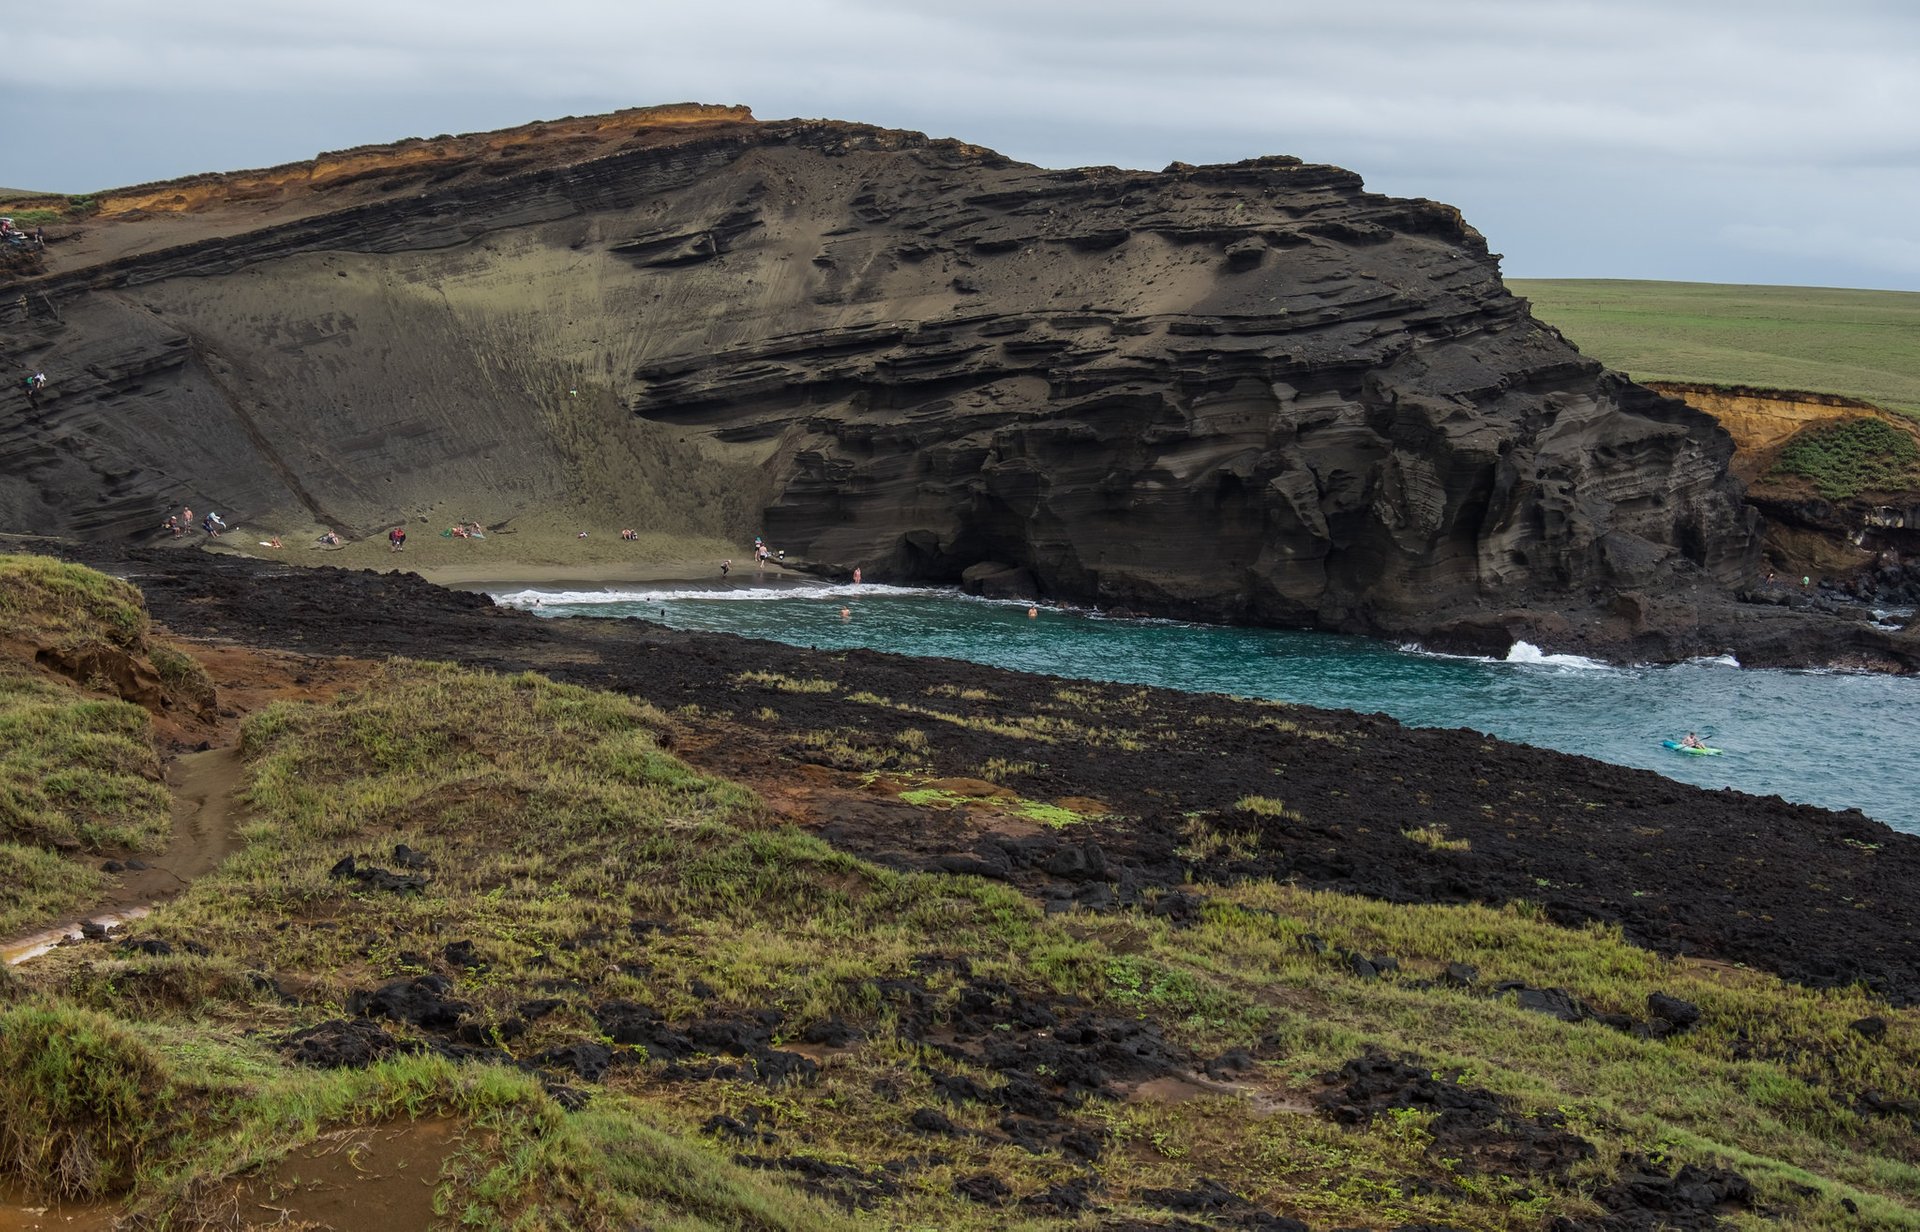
x: 1837, y: 739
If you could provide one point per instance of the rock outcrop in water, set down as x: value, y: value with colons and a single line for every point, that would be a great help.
x: 1251, y: 392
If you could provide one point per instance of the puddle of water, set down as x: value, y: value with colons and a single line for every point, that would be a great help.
x: 20, y: 1213
x: 27, y: 948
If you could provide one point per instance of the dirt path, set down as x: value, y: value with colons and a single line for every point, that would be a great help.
x: 204, y: 780
x: 204, y: 813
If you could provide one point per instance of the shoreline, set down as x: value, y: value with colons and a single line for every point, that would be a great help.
x: 1591, y: 859
x: 540, y: 557
x: 496, y: 576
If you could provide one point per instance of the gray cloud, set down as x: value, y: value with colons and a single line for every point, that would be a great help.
x: 1732, y: 140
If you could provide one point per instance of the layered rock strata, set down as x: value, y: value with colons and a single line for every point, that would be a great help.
x: 1251, y: 392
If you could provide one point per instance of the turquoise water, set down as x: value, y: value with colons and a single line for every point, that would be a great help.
x: 1808, y: 736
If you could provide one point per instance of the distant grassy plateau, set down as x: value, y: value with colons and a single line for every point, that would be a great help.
x: 1857, y: 344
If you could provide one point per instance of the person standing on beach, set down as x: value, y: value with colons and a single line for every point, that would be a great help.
x: 396, y: 538
x: 856, y: 575
x: 726, y: 566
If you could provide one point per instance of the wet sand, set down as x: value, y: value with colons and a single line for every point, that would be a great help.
x: 494, y: 576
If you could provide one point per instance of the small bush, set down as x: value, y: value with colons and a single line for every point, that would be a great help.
x: 182, y: 675
x: 786, y: 684
x: 1436, y: 838
x: 83, y: 1100
x: 1847, y: 457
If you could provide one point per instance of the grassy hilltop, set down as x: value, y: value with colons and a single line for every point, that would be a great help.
x: 490, y: 932
x: 1859, y: 344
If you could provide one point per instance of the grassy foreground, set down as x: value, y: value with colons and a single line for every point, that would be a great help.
x: 1861, y: 344
x: 570, y: 865
x: 78, y: 773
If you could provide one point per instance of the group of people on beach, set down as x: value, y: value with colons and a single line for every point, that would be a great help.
x: 178, y: 524
x: 214, y: 526
x: 764, y: 556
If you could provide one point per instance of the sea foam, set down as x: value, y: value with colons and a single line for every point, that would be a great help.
x: 1532, y: 656
x: 719, y: 593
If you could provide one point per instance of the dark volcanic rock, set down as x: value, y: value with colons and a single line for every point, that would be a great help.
x: 1872, y: 1027
x: 1669, y: 1015
x: 1254, y: 392
x: 1644, y: 1198
x: 1718, y: 873
x: 343, y: 1043
x: 853, y: 1188
x: 587, y: 1060
x: 1470, y: 1123
x: 422, y: 1002
x: 374, y: 878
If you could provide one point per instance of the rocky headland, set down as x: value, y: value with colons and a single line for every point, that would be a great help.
x: 1249, y: 393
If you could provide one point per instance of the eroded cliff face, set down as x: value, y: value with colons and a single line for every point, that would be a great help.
x: 1760, y: 420
x: 1248, y: 392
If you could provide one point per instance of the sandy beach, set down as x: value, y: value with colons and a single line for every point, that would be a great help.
x: 546, y: 552
x: 520, y: 576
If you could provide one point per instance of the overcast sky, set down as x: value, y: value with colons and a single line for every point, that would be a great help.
x: 1763, y: 141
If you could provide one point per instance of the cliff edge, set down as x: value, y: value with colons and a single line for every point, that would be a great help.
x: 1253, y: 392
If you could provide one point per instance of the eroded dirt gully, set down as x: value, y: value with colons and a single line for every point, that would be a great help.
x: 203, y: 769
x: 1817, y: 896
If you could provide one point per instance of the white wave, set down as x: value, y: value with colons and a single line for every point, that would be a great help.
x: 1530, y: 655
x: 718, y: 592
x: 1416, y: 649
x: 1719, y: 660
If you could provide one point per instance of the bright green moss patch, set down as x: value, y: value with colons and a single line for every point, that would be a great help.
x: 1848, y: 457
x: 1045, y: 814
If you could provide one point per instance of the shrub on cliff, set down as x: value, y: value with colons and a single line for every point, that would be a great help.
x: 1847, y: 457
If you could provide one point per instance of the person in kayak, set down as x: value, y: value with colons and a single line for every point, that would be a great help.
x: 1692, y: 742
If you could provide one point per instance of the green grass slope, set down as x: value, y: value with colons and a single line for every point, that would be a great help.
x: 585, y: 867
x: 78, y: 773
x: 1860, y: 344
